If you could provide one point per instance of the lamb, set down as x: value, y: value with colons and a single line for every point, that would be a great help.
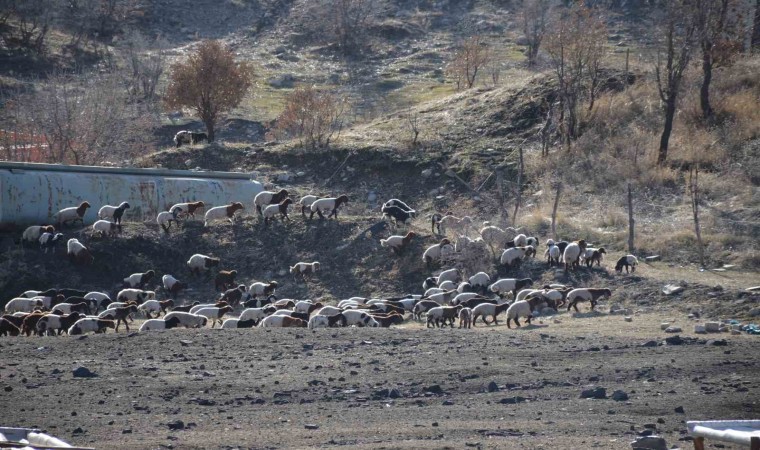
x: 522, y: 308
x: 165, y: 219
x: 236, y: 295
x: 21, y: 304
x: 627, y: 261
x: 224, y: 279
x: 306, y: 202
x: 257, y: 314
x: 281, y: 321
x: 72, y: 214
x: 159, y: 324
x: 59, y: 323
x: 485, y: 310
x: 438, y: 252
x: 304, y: 268
x: 572, y: 254
x: 90, y: 325
x: 270, y: 212
x: 32, y: 234
x: 49, y: 240
x: 185, y: 209
x: 200, y: 263
x: 222, y: 212
x: 449, y: 275
x: 359, y: 318
x: 553, y: 254
x: 514, y: 255
x: 265, y: 198
x: 586, y: 295
x: 7, y: 328
x: 439, y: 315
x: 213, y: 313
x: 259, y: 288
x: 105, y: 228
x: 327, y: 204
x: 423, y: 306
x: 172, y: 285
x: 520, y: 240
x: 139, y: 280
x: 136, y: 295
x: 398, y: 243
x: 187, y: 320
x: 121, y: 315
x: 505, y: 285
x: 495, y: 237
x: 156, y: 306
x: 114, y: 213
x: 398, y: 214
x: 465, y: 318
x: 78, y: 253
x: 458, y: 225
x: 592, y: 255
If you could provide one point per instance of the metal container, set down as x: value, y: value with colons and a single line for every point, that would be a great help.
x: 32, y: 193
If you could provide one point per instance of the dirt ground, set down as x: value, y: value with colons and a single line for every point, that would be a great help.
x: 403, y: 387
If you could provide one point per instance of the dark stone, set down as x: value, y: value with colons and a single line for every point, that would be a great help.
x: 8, y: 388
x: 176, y: 425
x: 435, y: 424
x: 619, y: 396
x: 77, y: 430
x: 674, y: 340
x: 597, y: 392
x: 447, y: 403
x: 83, y: 372
x: 311, y: 426
x: 649, y: 344
x: 717, y: 342
x: 512, y: 400
x: 679, y: 409
x: 434, y: 389
x: 493, y: 387
x: 126, y: 431
x: 394, y: 393
x: 649, y: 443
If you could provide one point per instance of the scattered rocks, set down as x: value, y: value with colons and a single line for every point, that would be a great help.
x: 672, y: 289
x: 427, y: 173
x: 649, y: 443
x: 83, y: 372
x: 311, y: 426
x: 492, y: 387
x: 628, y: 318
x: 679, y: 409
x: 699, y: 329
x: 596, y: 393
x: 619, y: 396
x: 176, y: 425
x: 649, y: 344
x: 512, y: 400
x: 673, y: 329
x: 284, y: 81
x: 754, y: 312
x: 712, y: 327
x: 717, y: 342
x: 8, y: 388
x: 434, y: 389
x: 674, y: 340
x: 664, y: 325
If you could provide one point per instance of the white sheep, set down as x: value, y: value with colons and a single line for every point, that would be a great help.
x: 306, y: 202
x: 32, y: 234
x: 305, y: 268
x: 222, y: 212
x: 106, y: 211
x: 525, y: 293
x: 214, y: 313
x: 187, y: 320
x: 328, y: 204
x: 77, y: 252
x: 359, y: 318
x: 519, y: 309
x: 185, y: 209
x: 495, y: 237
x: 480, y: 279
x: 281, y: 321
x: 520, y: 240
x: 436, y: 290
x: 157, y: 324
x: 627, y: 261
x: 449, y: 275
x: 265, y: 198
x: 165, y: 219
x: 552, y: 253
x: 318, y: 322
x: 105, y: 228
x: 438, y: 252
x: 136, y: 295
x: 463, y: 297
x: 512, y: 256
x: 200, y: 263
x: 260, y: 288
x: 447, y: 285
x: 97, y: 298
x: 505, y: 285
x: 90, y: 325
x: 256, y: 314
x: 328, y: 311
x: 458, y: 225
x: 572, y: 254
x: 72, y: 214
x: 22, y: 304
x: 465, y: 318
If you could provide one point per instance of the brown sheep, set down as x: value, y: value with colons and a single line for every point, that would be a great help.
x: 235, y: 295
x: 224, y: 279
x: 8, y: 328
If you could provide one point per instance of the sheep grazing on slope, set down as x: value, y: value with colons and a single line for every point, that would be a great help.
x: 72, y: 214
x: 465, y: 318
x: 522, y: 308
x: 105, y: 228
x: 327, y: 204
x: 259, y: 288
x: 591, y: 295
x: 78, y: 253
x: 186, y: 209
x: 480, y: 281
x: 438, y: 252
x: 222, y: 212
x: 159, y: 324
x: 572, y: 254
x: 156, y: 306
x: 485, y: 310
x: 90, y: 325
x: 513, y: 256
x: 165, y: 219
x: 214, y: 314
x: 507, y: 285
x: 32, y: 234
x: 265, y: 198
x: 282, y: 321
x: 398, y: 214
x: 458, y: 225
x: 200, y: 263
x: 304, y: 268
x: 593, y: 255
x: 627, y: 261
x: 183, y: 137
x: 306, y: 202
x: 399, y: 204
x: 398, y: 243
x: 139, y: 280
x: 172, y: 285
x: 49, y: 240
x: 439, y: 315
x: 234, y: 296
x: 224, y: 279
x: 270, y: 212
x: 495, y: 237
x: 115, y: 213
x: 552, y: 254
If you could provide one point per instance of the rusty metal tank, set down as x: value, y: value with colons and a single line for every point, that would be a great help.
x: 31, y: 193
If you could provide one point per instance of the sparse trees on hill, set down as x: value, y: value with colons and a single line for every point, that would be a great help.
x: 677, y: 31
x: 209, y: 82
x: 576, y: 43
x: 471, y: 57
x: 535, y: 16
x: 315, y: 117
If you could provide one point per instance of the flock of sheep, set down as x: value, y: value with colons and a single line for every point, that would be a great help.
x: 447, y: 297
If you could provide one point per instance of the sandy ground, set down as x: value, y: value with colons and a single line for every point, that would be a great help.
x: 403, y: 387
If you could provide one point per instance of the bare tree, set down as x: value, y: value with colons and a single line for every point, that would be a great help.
x: 315, y: 117
x: 575, y: 44
x: 209, y: 82
x: 472, y: 56
x: 694, y: 196
x: 343, y: 23
x: 678, y: 32
x: 33, y: 20
x: 535, y: 15
x: 145, y: 65
x: 413, y: 121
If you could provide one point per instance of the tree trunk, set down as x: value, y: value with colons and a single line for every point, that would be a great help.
x: 694, y: 189
x: 670, y: 112
x: 210, y: 130
x: 518, y: 198
x: 631, y: 222
x: 554, y: 211
x: 704, y: 94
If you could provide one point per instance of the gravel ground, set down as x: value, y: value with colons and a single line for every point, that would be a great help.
x: 403, y: 387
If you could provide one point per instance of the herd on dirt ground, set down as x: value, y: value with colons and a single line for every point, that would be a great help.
x: 447, y: 298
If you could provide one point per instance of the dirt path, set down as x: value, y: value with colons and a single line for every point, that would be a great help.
x: 367, y: 388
